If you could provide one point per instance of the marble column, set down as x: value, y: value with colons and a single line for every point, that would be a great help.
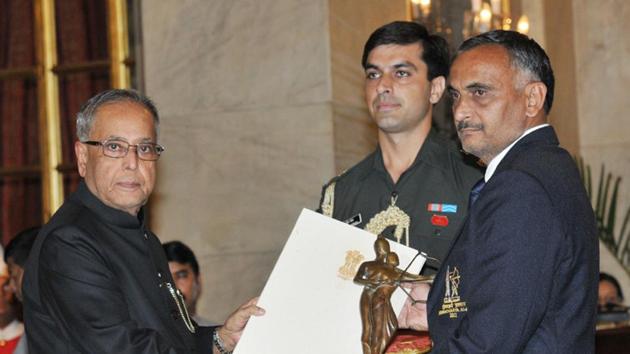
x: 602, y: 73
x: 588, y: 46
x: 261, y: 103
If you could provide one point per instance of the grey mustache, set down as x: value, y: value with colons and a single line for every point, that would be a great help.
x: 464, y: 124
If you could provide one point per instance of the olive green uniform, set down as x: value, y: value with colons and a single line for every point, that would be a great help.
x: 423, y: 210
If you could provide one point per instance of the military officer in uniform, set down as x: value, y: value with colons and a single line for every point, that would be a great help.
x: 414, y: 188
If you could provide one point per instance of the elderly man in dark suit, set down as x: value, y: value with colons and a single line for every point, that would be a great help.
x: 522, y: 274
x: 97, y: 279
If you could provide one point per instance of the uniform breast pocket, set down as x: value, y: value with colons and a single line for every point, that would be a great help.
x: 440, y: 230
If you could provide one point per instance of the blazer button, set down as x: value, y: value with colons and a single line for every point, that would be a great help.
x: 146, y: 237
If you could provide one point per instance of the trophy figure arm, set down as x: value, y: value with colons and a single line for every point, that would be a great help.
x: 419, y: 279
x: 405, y: 277
x: 362, y: 281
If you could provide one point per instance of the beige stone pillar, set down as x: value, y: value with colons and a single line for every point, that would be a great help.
x: 559, y: 44
x: 602, y: 49
x: 588, y: 45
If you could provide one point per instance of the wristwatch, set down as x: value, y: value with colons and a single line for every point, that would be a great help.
x: 218, y: 342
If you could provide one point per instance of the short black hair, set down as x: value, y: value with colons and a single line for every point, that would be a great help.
x: 524, y: 53
x: 177, y: 251
x: 609, y: 278
x: 20, y: 246
x: 434, y: 48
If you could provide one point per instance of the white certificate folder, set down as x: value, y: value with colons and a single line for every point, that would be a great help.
x: 311, y: 302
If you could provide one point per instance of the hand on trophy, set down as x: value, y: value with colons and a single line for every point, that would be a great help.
x: 380, y: 278
x: 414, y: 313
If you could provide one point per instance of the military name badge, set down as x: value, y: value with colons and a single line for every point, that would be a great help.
x: 452, y: 304
x: 439, y: 220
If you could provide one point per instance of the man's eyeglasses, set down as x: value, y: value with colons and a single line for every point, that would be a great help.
x: 120, y: 148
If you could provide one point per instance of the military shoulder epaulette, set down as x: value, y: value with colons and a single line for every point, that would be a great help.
x: 328, y: 200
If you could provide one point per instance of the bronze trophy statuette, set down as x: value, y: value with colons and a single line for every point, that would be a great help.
x: 380, y: 278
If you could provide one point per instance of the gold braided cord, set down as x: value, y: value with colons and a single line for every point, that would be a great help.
x: 392, y: 216
x: 328, y: 203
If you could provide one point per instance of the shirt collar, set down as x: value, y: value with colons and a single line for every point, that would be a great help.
x: 494, y: 163
x: 424, y: 154
x: 12, y: 330
x: 108, y: 214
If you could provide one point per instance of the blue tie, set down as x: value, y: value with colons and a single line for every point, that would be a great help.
x: 475, y: 192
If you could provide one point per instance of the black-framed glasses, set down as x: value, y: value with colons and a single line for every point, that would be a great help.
x: 119, y: 148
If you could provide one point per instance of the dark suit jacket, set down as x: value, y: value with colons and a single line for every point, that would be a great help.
x: 95, y: 282
x: 522, y: 275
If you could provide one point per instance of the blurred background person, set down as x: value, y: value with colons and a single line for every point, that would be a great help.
x: 15, y: 256
x: 11, y: 328
x: 610, y: 293
x: 611, y: 313
x: 185, y: 271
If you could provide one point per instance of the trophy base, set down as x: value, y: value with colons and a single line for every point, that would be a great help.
x: 409, y: 341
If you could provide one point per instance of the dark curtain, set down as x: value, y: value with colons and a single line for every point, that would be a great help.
x: 20, y: 194
x: 81, y: 38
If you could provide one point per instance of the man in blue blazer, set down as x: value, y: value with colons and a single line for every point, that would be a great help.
x: 521, y: 276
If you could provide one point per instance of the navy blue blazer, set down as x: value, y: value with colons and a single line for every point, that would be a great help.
x: 522, y: 274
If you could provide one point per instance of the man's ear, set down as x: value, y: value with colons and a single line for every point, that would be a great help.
x: 196, y: 288
x: 81, y: 151
x: 437, y: 89
x: 535, y: 93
